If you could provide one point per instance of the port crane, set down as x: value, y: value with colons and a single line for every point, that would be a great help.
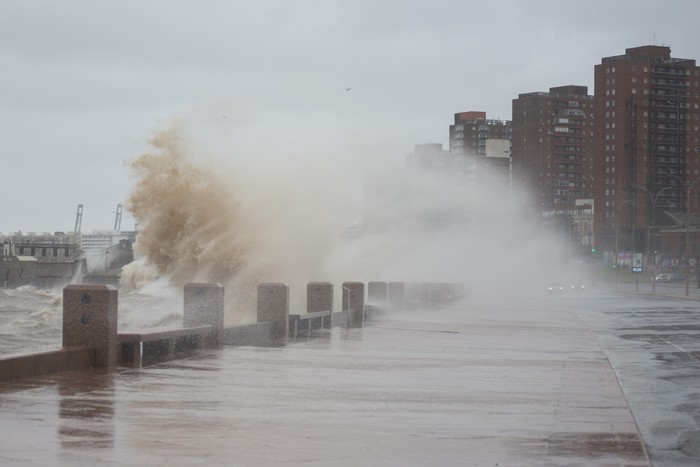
x: 78, y: 219
x: 118, y: 218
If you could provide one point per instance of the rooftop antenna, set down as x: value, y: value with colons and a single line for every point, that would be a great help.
x: 118, y: 218
x: 78, y: 219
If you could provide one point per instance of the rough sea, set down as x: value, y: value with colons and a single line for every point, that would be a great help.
x: 31, y: 319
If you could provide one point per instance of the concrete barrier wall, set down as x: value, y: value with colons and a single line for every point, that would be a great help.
x: 396, y: 296
x: 13, y: 367
x: 377, y: 294
x: 354, y: 302
x: 17, y: 273
x: 319, y: 297
x: 55, y: 269
x: 254, y: 334
x: 432, y: 294
x: 90, y: 319
x: 203, y: 305
x: 273, y: 306
x: 339, y: 318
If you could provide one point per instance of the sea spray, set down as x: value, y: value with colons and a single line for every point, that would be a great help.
x: 230, y: 222
x: 241, y: 216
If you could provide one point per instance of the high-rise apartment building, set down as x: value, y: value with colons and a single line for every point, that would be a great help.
x: 478, y: 144
x: 647, y: 146
x: 553, y: 149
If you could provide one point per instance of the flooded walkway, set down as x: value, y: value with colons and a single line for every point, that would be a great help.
x: 462, y: 386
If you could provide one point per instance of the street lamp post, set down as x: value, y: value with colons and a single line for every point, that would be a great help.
x: 687, y: 240
x: 688, y: 188
x: 653, y: 198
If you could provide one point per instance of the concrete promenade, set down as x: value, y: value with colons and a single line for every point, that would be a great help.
x: 480, y: 384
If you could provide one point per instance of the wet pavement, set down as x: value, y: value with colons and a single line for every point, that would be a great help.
x: 481, y: 384
x: 653, y: 343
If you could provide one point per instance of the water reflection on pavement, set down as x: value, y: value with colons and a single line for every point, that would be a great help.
x: 475, y: 385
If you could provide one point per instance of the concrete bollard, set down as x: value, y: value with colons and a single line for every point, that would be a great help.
x: 273, y: 306
x: 354, y: 302
x: 396, y: 296
x: 377, y: 294
x: 90, y: 318
x: 319, y: 297
x: 204, y: 305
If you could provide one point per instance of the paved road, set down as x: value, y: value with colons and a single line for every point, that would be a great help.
x: 653, y: 343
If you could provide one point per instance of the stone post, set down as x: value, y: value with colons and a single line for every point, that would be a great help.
x: 90, y: 318
x: 204, y: 305
x: 273, y: 306
x: 354, y: 303
x: 396, y: 292
x: 319, y: 297
x: 376, y: 294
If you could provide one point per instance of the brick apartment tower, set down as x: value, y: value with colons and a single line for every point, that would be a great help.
x: 553, y: 149
x: 647, y: 146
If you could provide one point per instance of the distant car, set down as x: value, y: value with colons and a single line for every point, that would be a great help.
x: 555, y: 288
x: 662, y: 277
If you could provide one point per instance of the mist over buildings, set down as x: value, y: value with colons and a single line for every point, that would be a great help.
x: 211, y: 209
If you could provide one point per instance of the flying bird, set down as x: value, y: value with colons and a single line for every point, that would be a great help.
x: 348, y: 89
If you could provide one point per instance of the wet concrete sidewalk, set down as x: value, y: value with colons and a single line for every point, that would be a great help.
x: 478, y: 385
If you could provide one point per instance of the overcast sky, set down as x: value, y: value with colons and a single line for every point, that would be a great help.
x: 83, y: 84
